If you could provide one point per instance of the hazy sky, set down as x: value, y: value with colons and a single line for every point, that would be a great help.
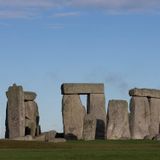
x: 44, y: 43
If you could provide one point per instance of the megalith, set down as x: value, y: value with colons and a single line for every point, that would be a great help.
x: 31, y: 118
x: 118, y: 120
x: 22, y: 116
x: 15, y: 118
x: 93, y: 119
x: 155, y: 116
x: 73, y: 116
x: 145, y: 113
x: 96, y: 107
x: 89, y: 127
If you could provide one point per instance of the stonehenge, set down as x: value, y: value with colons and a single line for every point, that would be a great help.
x: 145, y: 113
x: 138, y: 120
x: 75, y: 117
x: 22, y: 116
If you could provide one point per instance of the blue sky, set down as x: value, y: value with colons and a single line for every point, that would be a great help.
x: 45, y: 43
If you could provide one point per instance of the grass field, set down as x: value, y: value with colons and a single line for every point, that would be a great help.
x: 80, y: 150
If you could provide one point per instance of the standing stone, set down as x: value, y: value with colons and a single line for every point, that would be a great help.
x: 31, y: 115
x: 89, y: 128
x: 22, y: 117
x: 96, y: 107
x: 118, y: 120
x: 155, y: 116
x: 15, y: 117
x: 139, y: 117
x: 73, y: 116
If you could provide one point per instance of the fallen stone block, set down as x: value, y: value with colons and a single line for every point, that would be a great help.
x: 59, y: 140
x: 41, y: 137
x: 50, y: 136
x: 25, y: 138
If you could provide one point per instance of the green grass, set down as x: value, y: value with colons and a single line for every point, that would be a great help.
x: 80, y: 150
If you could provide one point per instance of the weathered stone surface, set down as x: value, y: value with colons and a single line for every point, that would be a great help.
x: 31, y: 117
x: 31, y: 110
x: 157, y: 137
x: 29, y: 96
x: 50, y: 136
x: 15, y: 115
x: 139, y: 117
x: 149, y: 137
x: 40, y: 138
x: 118, y: 120
x: 59, y: 140
x: 38, y: 129
x: 96, y: 107
x: 25, y: 138
x: 73, y: 116
x: 82, y: 88
x: 155, y: 116
x: 152, y: 93
x: 89, y: 128
x: 22, y: 117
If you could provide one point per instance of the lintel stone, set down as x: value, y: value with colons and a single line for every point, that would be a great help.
x: 152, y: 93
x: 29, y: 96
x: 82, y: 88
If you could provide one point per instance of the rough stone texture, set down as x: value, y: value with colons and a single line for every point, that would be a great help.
x: 73, y: 116
x: 89, y: 128
x: 25, y: 138
x: 157, y: 137
x: 96, y: 107
x: 152, y: 93
x: 32, y: 117
x: 139, y: 117
x: 22, y: 117
x: 29, y: 96
x: 50, y: 136
x: 59, y: 140
x: 46, y: 136
x: 149, y: 137
x: 15, y: 115
x: 40, y: 138
x: 118, y: 120
x: 82, y: 88
x: 38, y: 129
x: 155, y: 116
